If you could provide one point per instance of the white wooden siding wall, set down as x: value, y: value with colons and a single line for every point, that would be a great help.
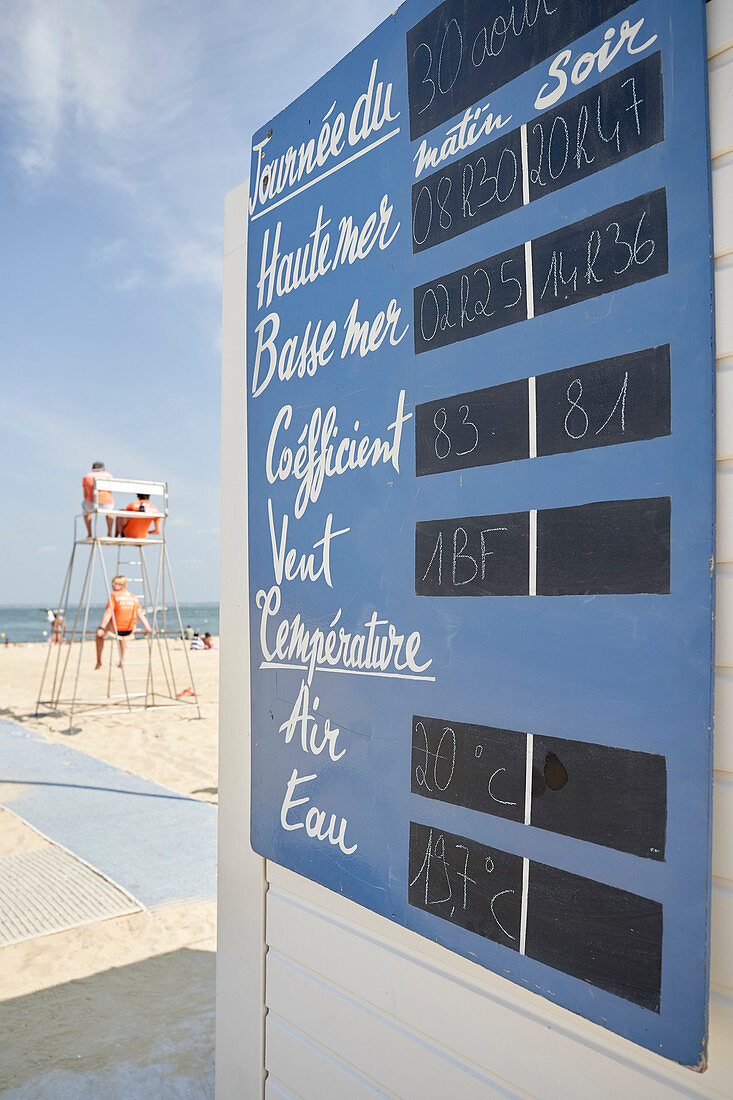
x: 358, y: 1007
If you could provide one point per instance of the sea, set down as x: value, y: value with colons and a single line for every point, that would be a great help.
x: 31, y: 623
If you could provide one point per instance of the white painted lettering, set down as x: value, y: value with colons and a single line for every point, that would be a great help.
x: 586, y: 62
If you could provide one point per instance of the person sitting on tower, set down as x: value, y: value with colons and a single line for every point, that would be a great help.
x: 120, y: 616
x: 105, y: 500
x: 139, y: 526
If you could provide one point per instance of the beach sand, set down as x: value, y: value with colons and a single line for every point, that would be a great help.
x: 122, y: 1007
x: 171, y: 747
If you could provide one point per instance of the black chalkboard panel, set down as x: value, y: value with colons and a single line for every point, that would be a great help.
x: 469, y: 192
x: 607, y: 937
x: 473, y: 556
x: 611, y: 547
x: 606, y: 548
x: 615, y: 797
x: 467, y: 883
x: 616, y: 248
x: 621, y: 116
x: 619, y: 400
x: 602, y: 126
x: 482, y: 297
x: 472, y: 429
x: 610, y: 796
x: 479, y: 767
x: 598, y: 933
x: 462, y: 52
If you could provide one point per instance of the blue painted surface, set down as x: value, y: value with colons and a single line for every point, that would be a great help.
x: 157, y: 844
x: 630, y: 671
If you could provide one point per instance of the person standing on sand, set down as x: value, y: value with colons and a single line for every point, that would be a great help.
x: 58, y: 629
x: 105, y: 500
x: 121, y: 613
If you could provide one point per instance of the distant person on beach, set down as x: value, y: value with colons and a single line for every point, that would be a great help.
x: 58, y: 629
x: 208, y: 641
x: 122, y: 612
x: 105, y: 500
x: 197, y: 642
x: 188, y: 633
x: 138, y: 526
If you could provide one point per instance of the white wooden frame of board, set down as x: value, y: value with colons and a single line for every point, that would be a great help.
x: 526, y: 1047
x: 240, y: 970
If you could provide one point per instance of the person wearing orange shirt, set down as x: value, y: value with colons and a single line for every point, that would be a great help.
x: 120, y: 615
x: 139, y: 526
x: 105, y: 500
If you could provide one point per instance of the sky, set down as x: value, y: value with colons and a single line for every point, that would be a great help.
x: 123, y: 124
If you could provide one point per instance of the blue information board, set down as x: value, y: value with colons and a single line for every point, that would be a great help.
x: 481, y: 470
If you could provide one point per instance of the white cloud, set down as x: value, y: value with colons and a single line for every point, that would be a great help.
x: 105, y: 252
x: 105, y: 74
x: 70, y: 451
x: 114, y: 177
x: 130, y: 281
x: 101, y: 89
x: 195, y: 261
x: 154, y: 102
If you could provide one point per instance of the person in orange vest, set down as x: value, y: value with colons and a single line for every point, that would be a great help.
x: 139, y: 526
x: 121, y: 614
x: 105, y: 500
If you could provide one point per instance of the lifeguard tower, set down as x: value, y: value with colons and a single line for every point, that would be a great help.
x: 157, y: 670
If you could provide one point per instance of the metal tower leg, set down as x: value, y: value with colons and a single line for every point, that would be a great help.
x: 88, y: 587
x: 180, y: 626
x: 60, y: 609
x: 145, y: 579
